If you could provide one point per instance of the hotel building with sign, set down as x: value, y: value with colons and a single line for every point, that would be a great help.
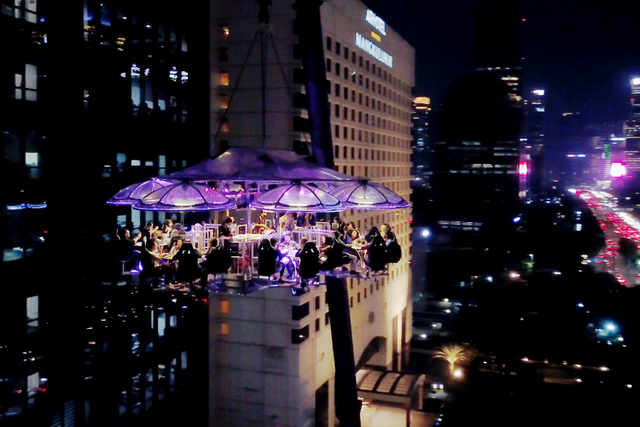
x: 271, y: 357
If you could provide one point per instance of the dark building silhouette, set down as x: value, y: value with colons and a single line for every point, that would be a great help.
x: 476, y: 143
x: 421, y: 145
x: 94, y: 95
x: 476, y: 151
x: 533, y: 139
x: 476, y: 154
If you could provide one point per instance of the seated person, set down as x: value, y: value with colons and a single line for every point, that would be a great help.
x: 167, y: 233
x: 147, y: 233
x: 303, y: 241
x: 260, y: 225
x: 173, y: 251
x: 160, y: 267
x: 335, y: 255
x: 373, y: 231
x: 393, y: 249
x: 349, y: 252
x: 325, y: 245
x: 375, y: 257
x: 287, y: 249
x: 209, y: 254
x: 126, y: 248
x: 351, y: 236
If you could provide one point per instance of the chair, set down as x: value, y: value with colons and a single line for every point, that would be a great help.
x: 393, y: 252
x: 377, y: 255
x: 309, y: 256
x: 187, y: 258
x: 219, y: 261
x: 267, y: 258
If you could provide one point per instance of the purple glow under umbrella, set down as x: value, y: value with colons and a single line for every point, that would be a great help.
x: 298, y: 197
x: 135, y: 192
x: 184, y: 197
x: 368, y: 195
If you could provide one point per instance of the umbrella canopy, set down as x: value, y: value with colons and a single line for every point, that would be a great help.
x: 184, y: 197
x: 249, y: 164
x: 298, y: 197
x: 133, y: 193
x: 368, y: 195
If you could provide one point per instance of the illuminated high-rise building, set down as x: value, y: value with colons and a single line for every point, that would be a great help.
x: 421, y: 143
x: 632, y: 133
x: 476, y: 146
x: 632, y: 126
x: 476, y: 166
x: 271, y: 352
x: 533, y: 138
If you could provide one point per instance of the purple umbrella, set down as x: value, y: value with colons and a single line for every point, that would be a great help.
x: 298, y: 197
x: 133, y: 193
x: 368, y: 195
x: 182, y: 197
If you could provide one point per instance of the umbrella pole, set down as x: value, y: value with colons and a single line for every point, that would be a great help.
x: 249, y: 274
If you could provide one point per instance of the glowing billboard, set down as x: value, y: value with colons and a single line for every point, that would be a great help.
x: 618, y: 170
x: 523, y: 169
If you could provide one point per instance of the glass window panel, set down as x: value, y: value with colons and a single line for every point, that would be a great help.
x: 32, y: 159
x: 31, y: 76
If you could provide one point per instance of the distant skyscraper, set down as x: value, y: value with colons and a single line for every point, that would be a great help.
x: 632, y: 128
x: 533, y: 141
x: 632, y: 133
x: 476, y: 154
x: 421, y: 143
x: 476, y: 148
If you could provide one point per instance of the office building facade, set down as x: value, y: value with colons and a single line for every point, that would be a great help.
x: 94, y: 95
x: 271, y: 352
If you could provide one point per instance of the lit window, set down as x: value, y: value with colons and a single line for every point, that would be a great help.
x: 224, y: 329
x: 224, y: 79
x: 224, y: 306
x: 31, y: 159
x: 225, y: 32
x: 224, y: 102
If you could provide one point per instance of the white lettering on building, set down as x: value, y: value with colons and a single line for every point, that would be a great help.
x: 375, y: 21
x: 373, y: 50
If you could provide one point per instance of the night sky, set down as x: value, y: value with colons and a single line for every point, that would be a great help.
x: 581, y: 52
